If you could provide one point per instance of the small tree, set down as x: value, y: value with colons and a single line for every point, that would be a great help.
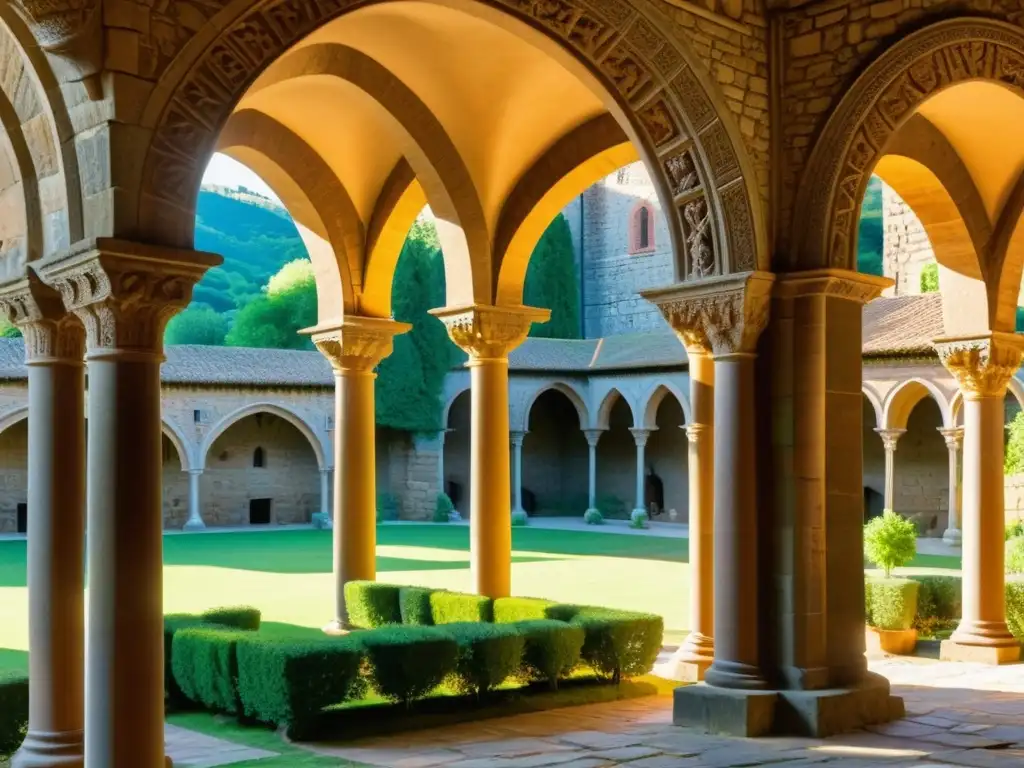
x: 930, y: 278
x: 890, y: 541
x: 1013, y: 462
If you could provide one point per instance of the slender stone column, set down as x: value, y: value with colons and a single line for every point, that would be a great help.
x: 325, y: 493
x: 354, y: 348
x: 640, y: 437
x: 440, y: 460
x: 983, y: 367
x: 516, y: 440
x: 124, y: 293
x: 954, y: 437
x: 54, y: 351
x: 593, y: 436
x: 889, y: 439
x: 488, y: 334
x: 195, y: 510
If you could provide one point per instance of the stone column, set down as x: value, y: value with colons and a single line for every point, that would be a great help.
x: 354, y: 348
x: 593, y: 436
x: 54, y: 350
x: 983, y: 366
x: 889, y: 439
x: 195, y: 511
x: 487, y: 334
x: 124, y: 294
x: 640, y: 437
x: 325, y: 496
x: 954, y: 437
x: 516, y: 439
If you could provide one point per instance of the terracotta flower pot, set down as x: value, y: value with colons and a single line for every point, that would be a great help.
x: 898, y: 642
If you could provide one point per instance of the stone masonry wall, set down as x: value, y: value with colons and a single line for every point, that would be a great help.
x: 613, y: 276
x: 906, y: 248
x: 13, y: 474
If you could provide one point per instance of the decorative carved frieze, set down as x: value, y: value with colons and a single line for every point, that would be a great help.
x: 72, y: 32
x: 700, y: 245
x: 357, y: 344
x: 982, y: 365
x: 682, y: 173
x: 838, y: 283
x: 487, y: 332
x: 125, y: 293
x: 723, y: 315
x: 51, y: 333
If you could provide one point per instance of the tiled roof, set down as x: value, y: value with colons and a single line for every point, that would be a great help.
x: 903, y: 326
x: 897, y: 327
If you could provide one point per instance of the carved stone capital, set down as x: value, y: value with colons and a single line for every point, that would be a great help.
x: 982, y: 365
x: 52, y: 335
x: 72, y: 32
x: 641, y: 435
x: 516, y: 437
x: 357, y: 344
x: 487, y: 332
x: 890, y: 437
x: 834, y: 283
x: 125, y: 293
x: 593, y: 436
x: 954, y: 437
x: 721, y: 315
x: 695, y: 432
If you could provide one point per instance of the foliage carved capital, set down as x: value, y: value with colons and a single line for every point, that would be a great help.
x: 890, y: 437
x: 52, y: 335
x: 487, y: 332
x: 357, y: 344
x: 721, y: 315
x: 832, y: 283
x: 125, y: 293
x: 982, y: 365
x: 72, y: 32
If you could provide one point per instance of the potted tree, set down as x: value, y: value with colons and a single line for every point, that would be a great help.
x: 890, y: 541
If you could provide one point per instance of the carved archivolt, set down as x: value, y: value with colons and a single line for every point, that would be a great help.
x: 690, y: 149
x: 882, y: 99
x: 72, y: 32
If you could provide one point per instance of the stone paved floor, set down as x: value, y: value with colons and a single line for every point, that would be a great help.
x: 189, y: 749
x: 958, y: 715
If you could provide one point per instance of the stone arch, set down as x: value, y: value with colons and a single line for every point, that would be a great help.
x: 11, y: 418
x: 250, y: 410
x: 566, y: 388
x: 1015, y: 388
x: 446, y: 411
x: 876, y: 404
x: 653, y: 401
x: 181, y: 445
x: 902, y: 399
x: 881, y: 100
x: 655, y: 87
x: 607, y: 403
x: 35, y: 97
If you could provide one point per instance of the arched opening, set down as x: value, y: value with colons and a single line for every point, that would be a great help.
x: 874, y: 461
x: 175, y: 484
x: 286, y: 491
x: 554, y: 457
x: 456, y: 453
x: 616, y: 460
x: 921, y: 476
x: 667, y: 471
x: 259, y: 458
x: 14, y: 478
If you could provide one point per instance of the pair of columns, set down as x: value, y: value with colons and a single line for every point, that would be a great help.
x: 354, y: 348
x: 97, y: 700
x: 195, y: 520
x: 954, y: 437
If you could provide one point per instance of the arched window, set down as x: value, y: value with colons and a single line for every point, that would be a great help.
x: 641, y: 228
x: 259, y: 458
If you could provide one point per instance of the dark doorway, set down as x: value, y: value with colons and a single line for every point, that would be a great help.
x: 23, y: 518
x: 259, y: 511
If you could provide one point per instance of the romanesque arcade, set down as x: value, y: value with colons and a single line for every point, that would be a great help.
x: 759, y: 124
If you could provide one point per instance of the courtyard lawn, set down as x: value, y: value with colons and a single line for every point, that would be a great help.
x: 287, y: 574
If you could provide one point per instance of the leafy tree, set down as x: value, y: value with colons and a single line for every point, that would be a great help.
x: 293, y: 274
x: 552, y: 283
x: 1013, y: 463
x: 274, y: 320
x: 197, y: 325
x: 890, y: 541
x: 870, y: 231
x: 930, y: 278
x: 8, y: 330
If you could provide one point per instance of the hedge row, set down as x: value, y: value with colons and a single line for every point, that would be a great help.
x: 13, y: 711
x: 235, y: 617
x: 616, y: 643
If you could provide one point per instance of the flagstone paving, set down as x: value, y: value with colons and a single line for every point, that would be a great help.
x: 189, y: 749
x: 957, y: 715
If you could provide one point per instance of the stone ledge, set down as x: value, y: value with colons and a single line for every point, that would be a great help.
x: 796, y: 713
x: 951, y: 650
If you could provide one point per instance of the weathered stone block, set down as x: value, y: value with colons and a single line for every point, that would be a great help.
x: 722, y: 710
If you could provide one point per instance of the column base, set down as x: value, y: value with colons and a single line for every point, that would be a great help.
x: 953, y: 537
x: 321, y: 522
x: 954, y: 650
x: 194, y: 525
x: 51, y: 750
x: 735, y: 676
x: 795, y: 713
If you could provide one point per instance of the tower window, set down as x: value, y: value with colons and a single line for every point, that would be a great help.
x: 259, y: 458
x: 641, y: 228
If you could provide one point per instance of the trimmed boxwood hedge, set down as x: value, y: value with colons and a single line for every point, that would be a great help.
x: 616, y: 644
x: 459, y: 608
x: 288, y: 683
x: 13, y: 711
x: 414, y: 605
x: 890, y: 603
x: 206, y: 666
x: 488, y: 655
x: 407, y: 663
x: 509, y: 609
x: 552, y: 649
x: 371, y: 604
x: 238, y: 616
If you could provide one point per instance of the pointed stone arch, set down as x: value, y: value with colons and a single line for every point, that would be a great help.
x: 904, y: 398
x: 654, y: 398
x: 566, y: 388
x: 604, y: 410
